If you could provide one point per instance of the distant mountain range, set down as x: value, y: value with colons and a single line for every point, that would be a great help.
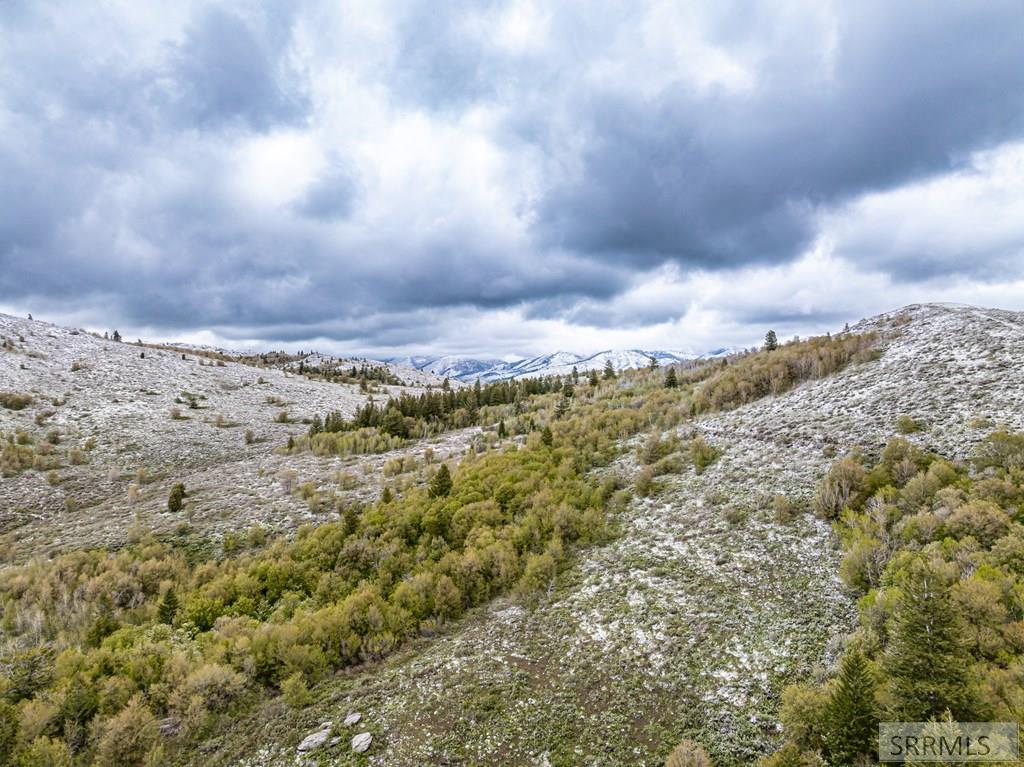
x: 558, y: 363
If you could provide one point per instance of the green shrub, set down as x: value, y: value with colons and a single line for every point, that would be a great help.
x: 905, y: 424
x: 295, y: 691
x: 702, y: 454
x: 15, y: 400
x: 176, y: 498
x: 688, y: 754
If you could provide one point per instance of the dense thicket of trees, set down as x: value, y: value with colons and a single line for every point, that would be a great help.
x: 936, y: 551
x: 143, y: 634
x: 773, y: 371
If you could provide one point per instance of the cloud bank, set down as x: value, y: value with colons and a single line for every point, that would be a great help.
x: 506, y: 177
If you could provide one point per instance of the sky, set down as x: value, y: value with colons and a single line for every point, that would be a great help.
x: 505, y: 179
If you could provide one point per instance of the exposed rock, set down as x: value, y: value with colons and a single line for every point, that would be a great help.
x: 170, y: 726
x: 361, y: 742
x: 352, y: 719
x: 315, y: 739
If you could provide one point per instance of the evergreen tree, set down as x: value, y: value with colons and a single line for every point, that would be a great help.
x: 168, y: 607
x: 546, y: 436
x: 671, y: 382
x: 851, y: 715
x: 441, y: 484
x: 117, y: 336
x: 393, y: 423
x: 652, y: 363
x: 593, y: 378
x: 176, y: 497
x: 575, y: 374
x: 609, y: 370
x: 502, y: 433
x: 386, y: 496
x: 926, y: 661
x: 771, y: 341
x: 562, y: 407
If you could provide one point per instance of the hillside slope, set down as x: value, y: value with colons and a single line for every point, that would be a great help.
x: 696, y: 617
x: 689, y: 623
x: 130, y: 421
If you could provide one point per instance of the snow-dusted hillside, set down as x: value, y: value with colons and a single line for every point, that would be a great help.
x: 453, y: 367
x: 696, y: 617
x: 122, y: 423
x: 469, y: 369
x: 690, y: 622
x: 407, y: 374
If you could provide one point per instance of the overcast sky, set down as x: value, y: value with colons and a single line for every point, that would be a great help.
x: 506, y: 178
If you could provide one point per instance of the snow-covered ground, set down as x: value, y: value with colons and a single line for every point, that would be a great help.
x: 133, y: 406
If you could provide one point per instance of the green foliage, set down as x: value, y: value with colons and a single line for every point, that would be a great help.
x: 926, y: 660
x: 127, y: 738
x: 8, y: 730
x: 44, y: 752
x: 547, y: 437
x: 168, y: 607
x: 671, y: 379
x: 176, y: 498
x: 851, y: 715
x: 340, y: 594
x: 773, y: 372
x: 937, y: 552
x: 295, y: 691
x: 702, y: 454
x: 359, y: 442
x: 15, y: 400
x: 441, y: 484
x: 906, y: 424
x: 688, y: 754
x: 156, y: 631
x: 790, y: 755
x: 771, y: 341
x: 609, y: 370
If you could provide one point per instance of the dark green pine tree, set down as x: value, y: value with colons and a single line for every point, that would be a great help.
x: 386, y: 497
x: 502, y: 432
x: 851, y: 717
x: 562, y: 407
x: 575, y: 374
x: 609, y: 370
x: 671, y: 382
x: 926, y: 661
x: 593, y: 378
x: 441, y: 484
x: 771, y: 341
x: 546, y: 436
x: 168, y: 607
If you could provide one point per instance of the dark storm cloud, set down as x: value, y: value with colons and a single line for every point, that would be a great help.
x: 121, y: 191
x: 225, y: 71
x: 718, y: 179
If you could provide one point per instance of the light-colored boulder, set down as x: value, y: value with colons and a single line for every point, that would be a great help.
x: 361, y: 742
x: 315, y: 739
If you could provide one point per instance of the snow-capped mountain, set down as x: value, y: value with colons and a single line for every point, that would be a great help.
x: 557, y: 363
x: 448, y: 366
